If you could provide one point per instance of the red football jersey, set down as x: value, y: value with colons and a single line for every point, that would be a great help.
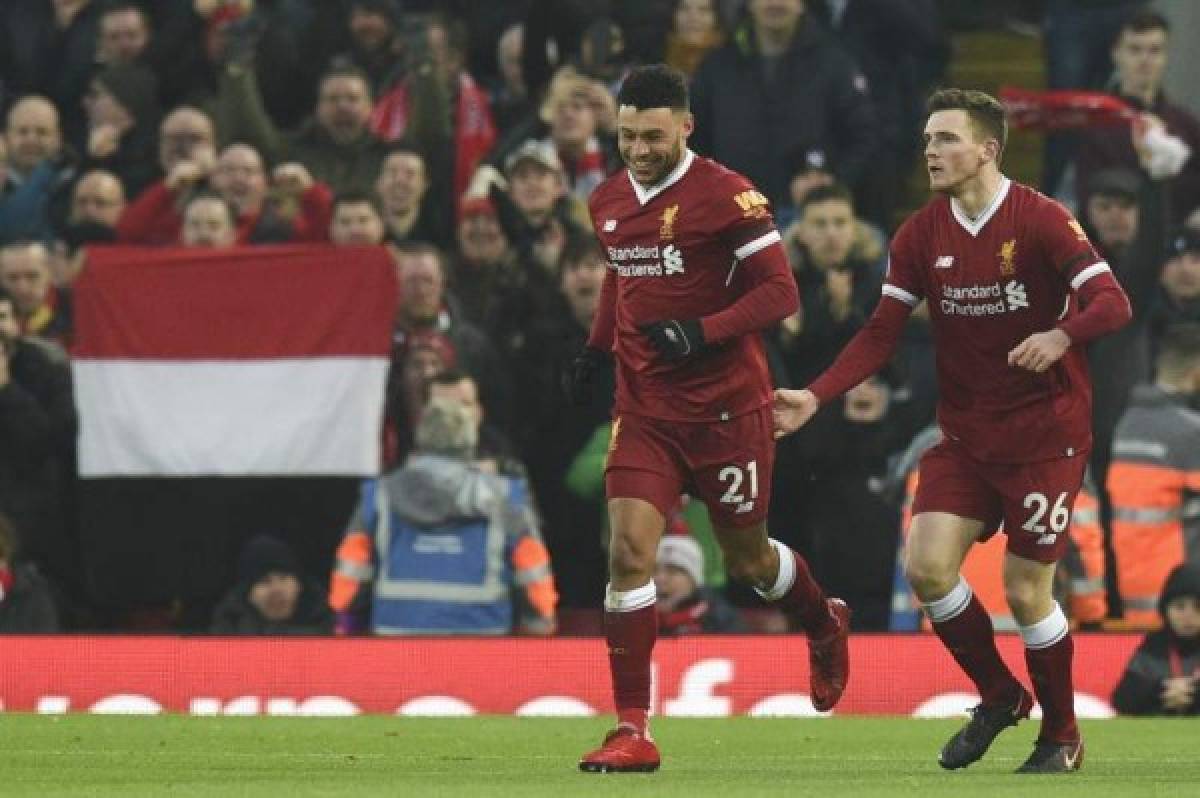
x: 990, y: 283
x: 676, y: 250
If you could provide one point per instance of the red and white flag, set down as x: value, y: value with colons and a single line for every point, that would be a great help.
x: 253, y: 361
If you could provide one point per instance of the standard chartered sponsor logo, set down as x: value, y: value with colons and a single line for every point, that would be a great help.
x: 983, y: 300
x: 643, y: 261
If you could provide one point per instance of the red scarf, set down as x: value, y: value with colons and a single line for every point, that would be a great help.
x: 587, y: 171
x: 474, y: 130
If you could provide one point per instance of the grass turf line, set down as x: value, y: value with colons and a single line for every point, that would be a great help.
x: 178, y: 755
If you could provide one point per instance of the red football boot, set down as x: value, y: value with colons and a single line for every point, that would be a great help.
x: 829, y: 660
x: 625, y: 750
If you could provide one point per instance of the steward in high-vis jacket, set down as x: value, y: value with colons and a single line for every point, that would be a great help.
x: 439, y: 546
x: 1154, y: 478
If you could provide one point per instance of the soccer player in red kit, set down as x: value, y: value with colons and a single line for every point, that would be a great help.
x: 1014, y: 290
x: 696, y: 270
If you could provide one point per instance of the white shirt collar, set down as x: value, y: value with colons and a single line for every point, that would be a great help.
x: 644, y: 195
x: 973, y: 226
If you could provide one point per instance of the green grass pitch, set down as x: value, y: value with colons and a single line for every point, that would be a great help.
x: 93, y: 755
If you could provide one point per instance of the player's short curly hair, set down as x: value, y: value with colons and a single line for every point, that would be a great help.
x: 985, y: 112
x: 654, y: 86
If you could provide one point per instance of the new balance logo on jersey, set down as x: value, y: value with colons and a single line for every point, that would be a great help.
x: 672, y: 259
x: 610, y: 225
x: 1014, y: 292
x: 944, y: 262
x: 744, y: 507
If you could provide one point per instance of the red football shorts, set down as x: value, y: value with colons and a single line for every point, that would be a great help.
x: 1033, y: 500
x: 725, y: 464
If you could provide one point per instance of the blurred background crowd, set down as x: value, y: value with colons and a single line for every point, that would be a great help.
x: 464, y: 137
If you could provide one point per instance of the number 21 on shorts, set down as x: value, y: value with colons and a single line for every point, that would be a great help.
x: 735, y: 476
x: 1059, y: 517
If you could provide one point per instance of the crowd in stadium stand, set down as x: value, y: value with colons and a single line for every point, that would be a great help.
x: 465, y: 138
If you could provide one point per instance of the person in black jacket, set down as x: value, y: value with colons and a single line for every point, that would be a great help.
x: 272, y: 596
x: 37, y: 446
x: 1164, y: 673
x: 782, y: 100
x: 26, y: 601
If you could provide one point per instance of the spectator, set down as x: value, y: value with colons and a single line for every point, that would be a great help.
x: 357, y: 220
x: 902, y: 50
x: 536, y: 211
x: 402, y: 187
x: 460, y: 551
x: 426, y: 307
x: 98, y: 198
x: 375, y: 45
x: 685, y: 604
x: 1179, y: 300
x: 439, y: 90
x: 1078, y: 49
x: 335, y: 145
x: 580, y: 116
x: 1163, y: 675
x: 26, y: 602
x: 208, y: 221
x: 1162, y: 142
x: 494, y: 452
x: 781, y: 98
x: 123, y: 117
x: 838, y: 265
x: 186, y: 155
x: 496, y: 290
x: 37, y: 439
x: 695, y: 32
x: 272, y: 595
x: 35, y: 170
x: 551, y: 433
x: 1124, y: 214
x: 42, y: 308
x: 416, y: 360
x: 1154, y: 478
x: 124, y: 34
x: 296, y: 209
x: 510, y: 98
x: 49, y: 48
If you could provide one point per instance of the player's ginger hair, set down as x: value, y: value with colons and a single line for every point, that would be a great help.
x: 985, y: 112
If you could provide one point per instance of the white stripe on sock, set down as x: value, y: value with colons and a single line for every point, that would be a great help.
x: 950, y: 605
x: 786, y: 576
x: 1047, y: 631
x: 629, y: 600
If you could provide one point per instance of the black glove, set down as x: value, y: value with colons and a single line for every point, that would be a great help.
x: 675, y: 340
x: 579, y: 376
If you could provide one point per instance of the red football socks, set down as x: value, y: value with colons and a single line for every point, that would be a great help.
x: 631, y: 635
x: 1050, y: 671
x: 969, y: 637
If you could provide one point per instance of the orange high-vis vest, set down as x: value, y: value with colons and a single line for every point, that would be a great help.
x: 1084, y: 561
x: 1154, y: 486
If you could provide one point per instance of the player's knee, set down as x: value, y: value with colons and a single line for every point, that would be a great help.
x: 930, y: 578
x: 630, y: 557
x: 748, y: 569
x: 1025, y: 597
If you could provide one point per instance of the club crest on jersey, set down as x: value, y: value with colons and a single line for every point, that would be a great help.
x: 1008, y: 254
x: 752, y: 203
x: 667, y: 231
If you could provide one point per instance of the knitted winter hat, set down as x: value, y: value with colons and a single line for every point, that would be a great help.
x: 135, y: 87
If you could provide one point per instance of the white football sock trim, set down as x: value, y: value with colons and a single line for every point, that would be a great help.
x: 1047, y: 631
x: 786, y: 576
x: 950, y: 605
x: 630, y: 600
